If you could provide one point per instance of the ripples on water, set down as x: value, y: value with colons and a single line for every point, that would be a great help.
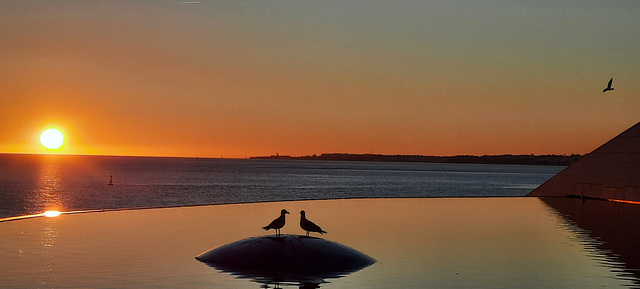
x: 606, y: 231
x: 32, y: 184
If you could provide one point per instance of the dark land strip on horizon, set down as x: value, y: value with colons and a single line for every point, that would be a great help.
x: 553, y: 160
x: 507, y: 159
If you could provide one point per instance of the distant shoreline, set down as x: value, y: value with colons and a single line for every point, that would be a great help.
x: 507, y: 159
x: 550, y: 160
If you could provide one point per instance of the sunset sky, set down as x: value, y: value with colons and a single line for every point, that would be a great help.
x: 248, y: 78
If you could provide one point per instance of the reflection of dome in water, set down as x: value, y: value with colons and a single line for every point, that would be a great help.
x: 288, y: 258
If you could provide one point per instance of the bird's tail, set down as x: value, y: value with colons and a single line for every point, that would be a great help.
x: 323, y: 232
x: 266, y: 228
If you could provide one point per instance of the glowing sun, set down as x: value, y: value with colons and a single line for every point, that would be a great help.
x: 52, y: 138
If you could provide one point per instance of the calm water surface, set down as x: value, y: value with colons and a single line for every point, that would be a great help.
x: 418, y: 243
x: 419, y: 239
x: 31, y: 184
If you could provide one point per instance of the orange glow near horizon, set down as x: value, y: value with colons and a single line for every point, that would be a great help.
x: 52, y: 214
x: 405, y: 79
x: 205, y: 146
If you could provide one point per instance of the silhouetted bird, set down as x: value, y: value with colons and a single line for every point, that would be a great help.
x: 609, y: 86
x: 277, y: 223
x: 308, y: 225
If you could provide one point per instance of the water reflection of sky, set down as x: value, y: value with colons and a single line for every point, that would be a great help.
x: 30, y: 183
x: 608, y: 231
x: 46, y: 196
x: 419, y: 243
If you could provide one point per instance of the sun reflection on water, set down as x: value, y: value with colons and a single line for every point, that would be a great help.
x: 46, y: 196
x: 51, y: 214
x: 49, y: 276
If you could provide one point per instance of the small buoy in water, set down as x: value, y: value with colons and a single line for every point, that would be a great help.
x: 110, y: 180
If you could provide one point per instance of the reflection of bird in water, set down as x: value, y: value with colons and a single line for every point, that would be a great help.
x: 276, y: 285
x: 277, y: 223
x: 309, y: 285
x: 308, y: 225
x: 609, y: 86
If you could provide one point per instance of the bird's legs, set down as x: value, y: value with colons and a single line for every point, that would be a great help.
x: 307, y: 233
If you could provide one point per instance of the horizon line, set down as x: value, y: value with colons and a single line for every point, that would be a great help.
x: 282, y: 156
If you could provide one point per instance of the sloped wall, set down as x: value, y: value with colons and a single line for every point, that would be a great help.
x: 612, y: 171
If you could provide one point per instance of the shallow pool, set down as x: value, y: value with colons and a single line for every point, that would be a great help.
x: 418, y: 243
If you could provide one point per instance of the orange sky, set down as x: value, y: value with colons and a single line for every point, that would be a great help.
x: 211, y: 79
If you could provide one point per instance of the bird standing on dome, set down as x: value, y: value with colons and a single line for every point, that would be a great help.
x: 308, y: 225
x: 277, y: 223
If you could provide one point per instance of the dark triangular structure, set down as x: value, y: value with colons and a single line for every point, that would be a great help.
x: 610, y: 172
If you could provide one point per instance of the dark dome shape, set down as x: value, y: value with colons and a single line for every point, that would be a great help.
x: 287, y: 258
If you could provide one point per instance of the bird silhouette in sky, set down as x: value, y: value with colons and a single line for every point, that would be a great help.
x: 609, y: 86
x: 277, y: 223
x: 308, y: 225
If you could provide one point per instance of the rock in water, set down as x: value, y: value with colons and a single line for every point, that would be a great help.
x: 288, y: 257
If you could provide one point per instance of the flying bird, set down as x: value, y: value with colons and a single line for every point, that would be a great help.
x: 609, y: 86
x: 277, y: 223
x: 308, y: 225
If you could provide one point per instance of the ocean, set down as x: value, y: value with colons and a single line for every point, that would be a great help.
x: 426, y: 224
x: 32, y: 184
